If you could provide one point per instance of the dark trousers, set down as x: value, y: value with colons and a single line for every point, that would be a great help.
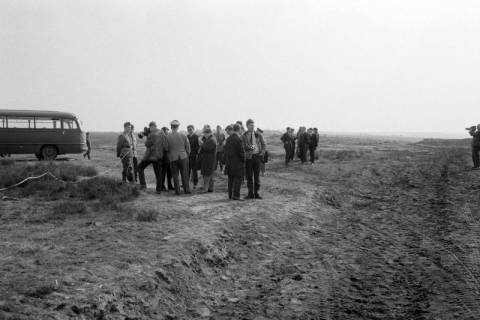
x: 135, y: 169
x: 219, y: 160
x: 166, y: 174
x: 252, y: 168
x: 127, y: 169
x: 312, y: 154
x: 87, y: 153
x: 302, y: 153
x: 180, y: 166
x: 475, y: 156
x: 289, y: 151
x: 157, y: 168
x: 234, y: 184
x: 192, y: 169
x: 292, y: 155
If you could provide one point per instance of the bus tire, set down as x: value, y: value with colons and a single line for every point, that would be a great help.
x: 39, y: 156
x: 49, y: 153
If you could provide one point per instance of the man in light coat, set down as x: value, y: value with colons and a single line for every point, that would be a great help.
x: 178, y: 153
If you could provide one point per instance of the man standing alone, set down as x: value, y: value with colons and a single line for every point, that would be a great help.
x: 475, y: 133
x: 254, y: 149
x: 124, y: 152
x: 234, y: 162
x: 178, y: 153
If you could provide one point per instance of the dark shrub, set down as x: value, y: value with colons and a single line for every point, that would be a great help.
x: 7, y: 162
x: 147, y: 215
x: 45, y: 188
x: 107, y: 190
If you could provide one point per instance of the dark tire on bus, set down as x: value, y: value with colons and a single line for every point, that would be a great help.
x: 48, y: 153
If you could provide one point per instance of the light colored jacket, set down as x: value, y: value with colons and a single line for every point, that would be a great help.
x: 178, y: 146
x: 259, y: 142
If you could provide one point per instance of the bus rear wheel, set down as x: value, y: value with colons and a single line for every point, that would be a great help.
x: 39, y: 156
x: 49, y: 153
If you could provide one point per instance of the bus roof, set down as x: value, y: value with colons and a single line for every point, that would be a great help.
x: 36, y: 113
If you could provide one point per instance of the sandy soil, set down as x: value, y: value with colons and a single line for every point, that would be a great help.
x: 374, y: 230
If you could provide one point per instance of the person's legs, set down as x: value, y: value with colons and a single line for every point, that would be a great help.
x: 206, y: 182
x: 210, y: 183
x: 249, y: 176
x: 135, y: 169
x: 237, y: 184
x: 193, y: 170
x: 141, y: 172
x: 157, y: 169
x: 183, y: 165
x: 129, y: 169
x: 256, y: 174
x: 312, y: 155
x: 287, y: 155
x: 476, y: 157
x: 230, y: 186
x: 174, y: 166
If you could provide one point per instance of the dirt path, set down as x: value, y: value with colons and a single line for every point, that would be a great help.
x: 385, y: 232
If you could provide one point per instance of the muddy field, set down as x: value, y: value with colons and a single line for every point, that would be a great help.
x: 374, y: 230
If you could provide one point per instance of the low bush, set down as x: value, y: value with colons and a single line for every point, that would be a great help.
x: 106, y: 189
x: 147, y: 215
x: 14, y: 173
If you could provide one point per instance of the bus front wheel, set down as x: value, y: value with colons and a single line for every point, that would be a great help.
x: 49, y: 153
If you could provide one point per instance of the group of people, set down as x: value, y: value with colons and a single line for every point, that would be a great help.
x: 304, y: 144
x: 240, y: 153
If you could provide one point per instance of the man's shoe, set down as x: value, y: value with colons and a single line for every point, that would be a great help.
x: 257, y: 196
x: 237, y: 199
x: 248, y: 197
x: 188, y: 192
x: 143, y: 187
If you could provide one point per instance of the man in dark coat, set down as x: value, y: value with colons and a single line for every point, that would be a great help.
x: 312, y: 144
x: 178, y: 153
x: 288, y: 145
x: 234, y: 162
x: 166, y: 170
x: 302, y: 144
x: 156, y: 144
x: 475, y: 133
x: 208, y: 154
x: 192, y: 158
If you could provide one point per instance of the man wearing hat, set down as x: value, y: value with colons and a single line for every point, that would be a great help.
x: 155, y: 143
x: 288, y: 145
x: 124, y: 152
x: 178, y: 153
x: 254, y: 150
x: 208, y: 156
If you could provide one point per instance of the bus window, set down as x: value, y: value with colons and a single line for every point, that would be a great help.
x: 20, y: 123
x: 3, y: 122
x: 69, y: 124
x: 47, y: 123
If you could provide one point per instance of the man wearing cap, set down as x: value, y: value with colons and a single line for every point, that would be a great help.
x: 124, y: 152
x: 192, y: 159
x: 178, y: 153
x: 155, y: 143
x: 254, y: 150
x: 208, y: 155
x: 234, y: 162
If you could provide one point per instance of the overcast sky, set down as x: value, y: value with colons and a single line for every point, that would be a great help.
x: 339, y: 65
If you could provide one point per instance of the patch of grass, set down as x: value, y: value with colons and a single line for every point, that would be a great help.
x: 147, y: 215
x: 107, y: 190
x: 7, y: 162
x: 67, y: 208
x: 16, y: 172
x: 45, y: 189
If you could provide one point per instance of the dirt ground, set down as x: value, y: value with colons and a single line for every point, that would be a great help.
x: 374, y: 230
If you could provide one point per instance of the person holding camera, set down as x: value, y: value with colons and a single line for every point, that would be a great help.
x: 124, y: 152
x: 254, y: 151
x: 178, y: 153
x: 155, y: 143
x: 475, y: 133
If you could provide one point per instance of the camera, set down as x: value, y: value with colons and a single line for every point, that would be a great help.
x: 472, y: 128
x: 144, y: 133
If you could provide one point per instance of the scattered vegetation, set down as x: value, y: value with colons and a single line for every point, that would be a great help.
x: 147, y: 215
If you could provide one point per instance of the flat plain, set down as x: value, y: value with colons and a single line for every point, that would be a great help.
x: 375, y: 229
